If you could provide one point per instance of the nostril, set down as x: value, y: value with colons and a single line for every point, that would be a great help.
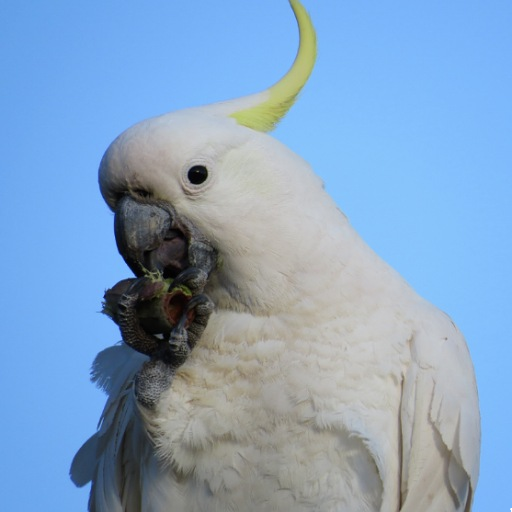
x: 141, y: 193
x: 117, y: 196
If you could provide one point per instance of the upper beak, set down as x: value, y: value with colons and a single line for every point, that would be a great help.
x: 148, y: 237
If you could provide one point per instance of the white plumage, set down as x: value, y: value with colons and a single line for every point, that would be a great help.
x: 322, y: 381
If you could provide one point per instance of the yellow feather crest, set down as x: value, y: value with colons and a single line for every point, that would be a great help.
x: 265, y: 115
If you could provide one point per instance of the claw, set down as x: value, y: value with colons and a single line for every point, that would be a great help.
x: 201, y: 254
x: 178, y: 348
x: 202, y: 307
x: 193, y: 278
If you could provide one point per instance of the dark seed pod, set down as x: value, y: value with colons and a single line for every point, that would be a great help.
x: 159, y: 306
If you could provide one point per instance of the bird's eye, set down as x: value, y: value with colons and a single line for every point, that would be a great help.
x: 197, y: 174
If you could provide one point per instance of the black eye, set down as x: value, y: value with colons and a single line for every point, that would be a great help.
x: 197, y: 174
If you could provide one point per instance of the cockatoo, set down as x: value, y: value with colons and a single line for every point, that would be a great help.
x: 298, y: 371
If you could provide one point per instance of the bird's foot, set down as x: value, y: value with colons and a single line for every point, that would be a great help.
x: 163, y: 321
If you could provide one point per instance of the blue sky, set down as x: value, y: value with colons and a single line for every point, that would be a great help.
x: 407, y: 118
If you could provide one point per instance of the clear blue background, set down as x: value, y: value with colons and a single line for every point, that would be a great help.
x: 407, y: 117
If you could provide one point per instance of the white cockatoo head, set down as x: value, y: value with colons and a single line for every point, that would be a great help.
x: 257, y: 203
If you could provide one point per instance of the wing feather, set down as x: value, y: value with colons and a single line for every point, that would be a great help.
x: 112, y: 458
x: 440, y: 422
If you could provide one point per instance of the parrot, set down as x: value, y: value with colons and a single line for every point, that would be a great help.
x: 284, y: 365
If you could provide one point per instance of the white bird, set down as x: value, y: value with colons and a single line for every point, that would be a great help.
x: 304, y: 374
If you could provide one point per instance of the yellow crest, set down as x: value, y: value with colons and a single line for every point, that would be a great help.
x: 275, y: 102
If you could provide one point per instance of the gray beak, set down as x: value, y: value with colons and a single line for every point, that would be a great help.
x: 149, y: 238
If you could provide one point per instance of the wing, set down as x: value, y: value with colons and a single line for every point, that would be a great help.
x: 115, y: 456
x: 440, y: 421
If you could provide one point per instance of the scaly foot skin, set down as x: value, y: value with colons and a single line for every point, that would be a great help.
x: 166, y: 355
x: 131, y: 331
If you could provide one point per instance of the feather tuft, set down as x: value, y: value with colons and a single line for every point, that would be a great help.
x: 265, y: 115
